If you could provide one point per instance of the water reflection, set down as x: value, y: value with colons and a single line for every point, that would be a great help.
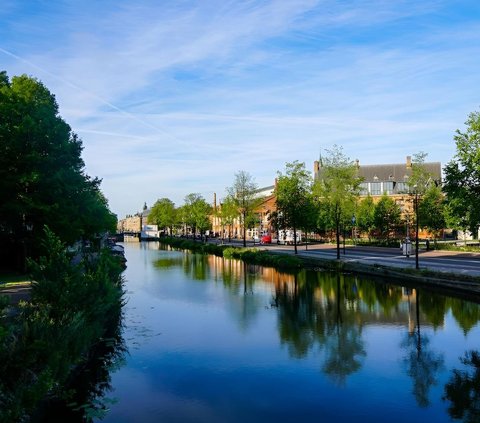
x: 421, y: 363
x: 242, y: 342
x: 318, y: 304
x: 463, y: 389
x: 87, y: 395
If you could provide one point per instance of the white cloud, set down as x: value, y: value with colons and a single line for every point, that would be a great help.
x: 174, y: 99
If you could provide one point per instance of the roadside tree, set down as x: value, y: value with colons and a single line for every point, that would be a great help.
x: 431, y: 211
x: 243, y: 192
x: 228, y: 213
x: 197, y: 213
x: 365, y: 215
x: 293, y: 193
x: 163, y: 214
x: 337, y: 190
x: 386, y: 216
x: 462, y: 177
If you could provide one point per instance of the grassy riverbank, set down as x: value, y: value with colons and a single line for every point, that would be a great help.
x: 249, y: 255
x: 70, y: 311
x: 451, y: 282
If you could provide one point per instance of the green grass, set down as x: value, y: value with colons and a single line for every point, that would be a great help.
x: 454, y: 247
x: 10, y: 278
x: 248, y: 255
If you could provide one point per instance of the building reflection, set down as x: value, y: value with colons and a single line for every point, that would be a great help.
x: 373, y: 303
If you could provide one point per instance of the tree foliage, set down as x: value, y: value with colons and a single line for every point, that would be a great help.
x: 197, y: 213
x: 386, y: 216
x: 337, y: 189
x: 42, y: 175
x: 293, y: 198
x: 243, y: 191
x: 227, y: 213
x: 421, y: 178
x: 163, y: 214
x: 431, y: 210
x: 462, y: 177
x: 365, y: 215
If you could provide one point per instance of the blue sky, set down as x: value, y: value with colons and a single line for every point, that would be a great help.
x: 175, y: 97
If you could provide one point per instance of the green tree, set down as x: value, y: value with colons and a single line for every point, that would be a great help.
x: 243, y: 191
x: 337, y: 189
x: 386, y: 216
x: 462, y: 177
x: 293, y: 193
x: 421, y: 179
x: 42, y: 176
x: 197, y: 213
x: 310, y: 216
x: 365, y: 217
x: 228, y: 213
x: 163, y: 214
x: 431, y: 211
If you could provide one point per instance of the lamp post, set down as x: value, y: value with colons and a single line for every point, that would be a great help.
x: 416, y: 228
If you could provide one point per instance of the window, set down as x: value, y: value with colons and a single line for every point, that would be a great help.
x: 402, y: 187
x: 376, y: 188
x: 364, y: 188
x: 388, y: 187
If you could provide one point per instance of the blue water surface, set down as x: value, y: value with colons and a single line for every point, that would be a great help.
x: 214, y: 340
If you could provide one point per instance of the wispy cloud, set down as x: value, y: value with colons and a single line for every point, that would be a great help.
x: 175, y: 99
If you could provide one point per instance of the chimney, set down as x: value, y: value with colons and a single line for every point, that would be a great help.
x: 409, y: 162
x: 214, y: 200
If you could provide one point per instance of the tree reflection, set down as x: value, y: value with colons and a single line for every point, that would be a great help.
x: 85, y: 396
x: 314, y: 312
x: 240, y: 280
x: 301, y: 321
x: 422, y: 364
x: 434, y: 306
x: 168, y: 262
x: 344, y: 346
x: 463, y: 390
x: 466, y: 313
x: 196, y: 266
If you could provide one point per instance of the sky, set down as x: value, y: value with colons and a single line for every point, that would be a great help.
x: 175, y: 97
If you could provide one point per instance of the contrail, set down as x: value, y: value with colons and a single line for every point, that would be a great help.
x: 102, y: 100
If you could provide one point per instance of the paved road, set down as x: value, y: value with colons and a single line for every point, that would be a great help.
x: 440, y: 261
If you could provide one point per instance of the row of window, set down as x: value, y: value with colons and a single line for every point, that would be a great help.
x: 379, y: 188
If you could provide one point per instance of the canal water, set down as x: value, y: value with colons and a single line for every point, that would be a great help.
x: 216, y: 340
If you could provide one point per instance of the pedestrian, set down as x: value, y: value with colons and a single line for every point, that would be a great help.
x: 427, y: 243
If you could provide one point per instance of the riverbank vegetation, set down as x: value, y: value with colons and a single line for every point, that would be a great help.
x: 248, y: 255
x: 42, y: 175
x: 73, y: 311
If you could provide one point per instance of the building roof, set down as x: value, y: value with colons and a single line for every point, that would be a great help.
x: 265, y: 191
x: 397, y: 172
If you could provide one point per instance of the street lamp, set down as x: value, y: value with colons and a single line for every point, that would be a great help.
x: 416, y: 227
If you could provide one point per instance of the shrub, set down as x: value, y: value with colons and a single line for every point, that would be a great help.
x: 72, y: 309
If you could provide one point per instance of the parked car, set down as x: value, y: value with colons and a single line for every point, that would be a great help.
x: 266, y: 239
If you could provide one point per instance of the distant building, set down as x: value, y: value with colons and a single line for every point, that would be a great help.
x: 262, y: 214
x: 390, y: 179
x: 133, y: 223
